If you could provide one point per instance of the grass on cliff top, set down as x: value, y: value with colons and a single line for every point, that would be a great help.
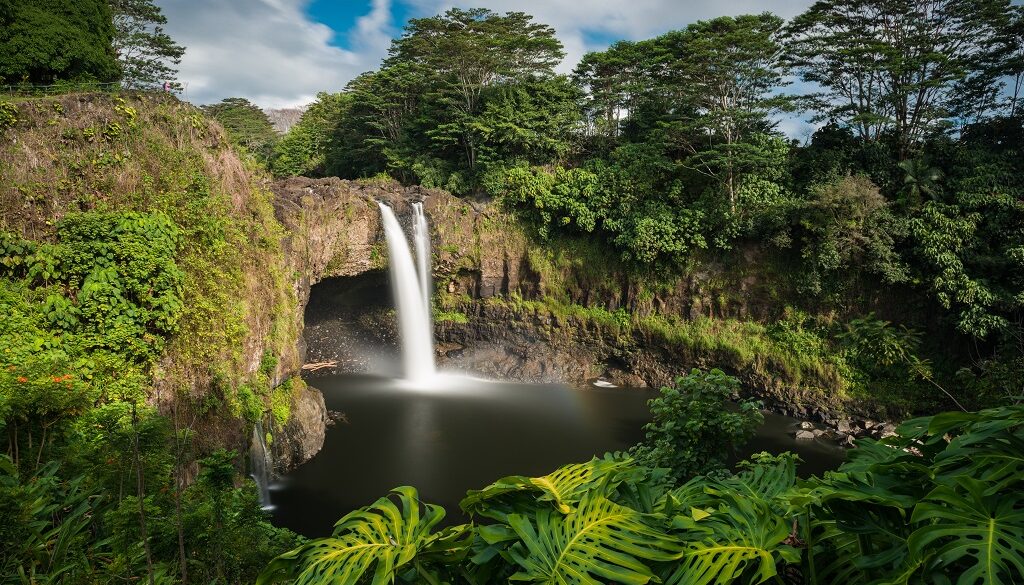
x: 87, y: 153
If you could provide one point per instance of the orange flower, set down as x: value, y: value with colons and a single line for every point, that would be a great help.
x: 22, y: 379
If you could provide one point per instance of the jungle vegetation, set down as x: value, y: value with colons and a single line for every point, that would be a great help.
x: 940, y: 502
x: 900, y: 217
x: 124, y: 247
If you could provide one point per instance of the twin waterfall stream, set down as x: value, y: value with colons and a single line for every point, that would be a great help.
x: 411, y: 288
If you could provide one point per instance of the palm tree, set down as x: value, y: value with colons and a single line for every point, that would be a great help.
x: 920, y: 179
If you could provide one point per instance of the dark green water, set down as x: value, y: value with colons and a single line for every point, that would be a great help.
x: 467, y: 434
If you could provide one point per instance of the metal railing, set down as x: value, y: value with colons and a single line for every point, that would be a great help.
x: 66, y: 87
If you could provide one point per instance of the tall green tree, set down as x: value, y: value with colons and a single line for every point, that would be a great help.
x: 1013, y: 64
x: 896, y: 65
x: 374, y: 136
x: 246, y: 124
x: 467, y: 51
x: 727, y: 74
x: 148, y: 55
x: 613, y: 80
x: 303, y: 150
x: 43, y: 41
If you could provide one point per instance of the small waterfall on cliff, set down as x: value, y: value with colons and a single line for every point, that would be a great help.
x: 412, y: 293
x: 260, y: 463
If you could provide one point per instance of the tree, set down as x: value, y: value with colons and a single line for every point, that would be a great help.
x: 303, y: 150
x: 43, y: 41
x: 1013, y: 61
x: 693, y: 431
x: 246, y: 124
x: 466, y: 51
x: 147, y: 54
x: 613, y: 80
x: 374, y: 135
x: 532, y: 121
x: 725, y: 75
x: 896, y: 65
x: 848, y: 227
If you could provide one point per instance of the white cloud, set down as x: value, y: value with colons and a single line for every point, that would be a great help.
x: 269, y: 51
x: 576, y: 20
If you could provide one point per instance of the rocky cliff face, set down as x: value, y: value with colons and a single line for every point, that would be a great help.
x: 487, y: 272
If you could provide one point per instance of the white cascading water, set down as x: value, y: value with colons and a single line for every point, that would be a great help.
x: 412, y: 296
x: 260, y: 463
x: 421, y: 242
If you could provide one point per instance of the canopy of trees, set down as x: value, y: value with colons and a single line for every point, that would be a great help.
x: 42, y: 41
x: 147, y: 54
x: 668, y: 149
x: 246, y: 124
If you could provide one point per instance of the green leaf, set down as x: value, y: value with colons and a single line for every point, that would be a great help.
x: 742, y: 537
x: 380, y: 538
x: 599, y: 542
x: 562, y: 488
x: 967, y: 530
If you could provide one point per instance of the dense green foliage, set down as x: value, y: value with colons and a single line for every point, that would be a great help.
x: 667, y: 153
x: 304, y: 149
x: 247, y: 126
x: 148, y: 55
x: 123, y: 291
x: 460, y: 93
x: 42, y: 41
x: 693, y: 431
x: 939, y: 502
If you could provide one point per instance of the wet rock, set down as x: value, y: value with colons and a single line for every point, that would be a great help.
x: 844, y: 426
x: 303, y: 435
x: 805, y: 435
x: 806, y: 425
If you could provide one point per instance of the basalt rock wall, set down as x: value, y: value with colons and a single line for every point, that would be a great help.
x: 486, y: 272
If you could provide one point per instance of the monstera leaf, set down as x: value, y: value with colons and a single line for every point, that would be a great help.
x: 970, y: 533
x: 599, y: 542
x: 562, y: 488
x: 741, y: 540
x: 764, y: 477
x: 378, y: 540
x: 991, y: 451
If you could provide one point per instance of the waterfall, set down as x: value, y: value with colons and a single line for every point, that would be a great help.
x: 412, y: 295
x: 421, y: 241
x: 260, y: 463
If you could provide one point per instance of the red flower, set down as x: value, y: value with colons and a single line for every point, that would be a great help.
x: 22, y: 379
